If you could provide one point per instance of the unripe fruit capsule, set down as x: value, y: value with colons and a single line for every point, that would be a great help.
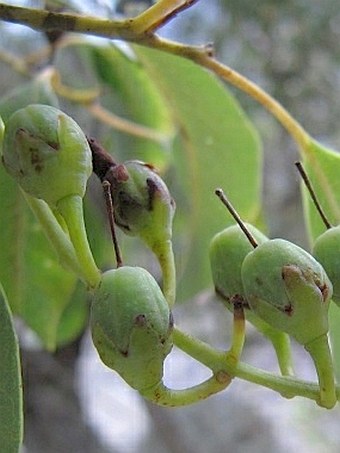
x: 142, y: 202
x: 227, y: 251
x: 276, y: 270
x: 131, y: 325
x: 47, y: 153
x: 286, y: 287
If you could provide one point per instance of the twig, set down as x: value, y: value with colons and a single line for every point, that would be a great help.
x: 124, y: 125
x: 160, y: 14
x: 132, y: 31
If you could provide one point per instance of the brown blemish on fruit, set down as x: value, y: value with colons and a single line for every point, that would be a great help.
x: 152, y: 189
x: 171, y: 321
x: 140, y: 320
x: 288, y: 309
x: 324, y: 291
x: 235, y: 299
x: 36, y: 160
x: 54, y: 145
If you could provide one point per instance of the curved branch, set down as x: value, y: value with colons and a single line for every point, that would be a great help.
x: 137, y: 30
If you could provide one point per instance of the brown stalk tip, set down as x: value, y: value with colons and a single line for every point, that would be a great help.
x: 312, y: 194
x: 102, y: 161
x: 219, y: 192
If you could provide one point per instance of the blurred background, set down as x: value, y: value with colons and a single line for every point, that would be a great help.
x: 73, y: 403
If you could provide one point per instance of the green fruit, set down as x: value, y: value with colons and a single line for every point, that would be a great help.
x: 227, y: 252
x: 286, y: 287
x: 131, y: 326
x: 47, y: 153
x: 327, y: 251
x: 142, y: 203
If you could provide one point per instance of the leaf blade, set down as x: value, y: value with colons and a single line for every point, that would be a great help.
x: 213, y: 129
x: 11, y: 414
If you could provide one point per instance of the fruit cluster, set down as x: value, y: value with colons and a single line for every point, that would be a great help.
x: 282, y: 290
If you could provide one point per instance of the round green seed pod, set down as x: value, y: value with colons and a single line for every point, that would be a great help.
x: 327, y: 251
x: 47, y: 153
x: 132, y: 326
x: 286, y: 287
x: 142, y: 203
x: 227, y: 251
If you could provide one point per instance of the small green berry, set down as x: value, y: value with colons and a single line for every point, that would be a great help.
x: 47, y: 153
x: 131, y: 325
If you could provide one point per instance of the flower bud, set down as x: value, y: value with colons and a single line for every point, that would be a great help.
x: 288, y: 288
x: 131, y: 325
x: 327, y: 251
x: 142, y: 202
x: 47, y: 153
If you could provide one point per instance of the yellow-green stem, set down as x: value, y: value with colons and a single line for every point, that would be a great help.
x: 321, y: 355
x: 238, y: 337
x: 280, y: 342
x: 165, y: 255
x: 71, y: 208
x: 55, y: 233
x: 164, y: 396
x: 287, y: 386
x: 158, y: 14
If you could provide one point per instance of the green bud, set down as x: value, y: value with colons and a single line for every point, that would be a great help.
x: 131, y: 326
x: 327, y: 251
x: 47, y: 153
x: 227, y: 252
x: 142, y: 202
x: 286, y: 287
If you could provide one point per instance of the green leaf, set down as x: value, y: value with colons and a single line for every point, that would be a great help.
x: 128, y: 91
x: 217, y: 147
x: 38, y: 91
x: 11, y: 413
x: 38, y: 288
x: 323, y: 168
x: 74, y: 317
